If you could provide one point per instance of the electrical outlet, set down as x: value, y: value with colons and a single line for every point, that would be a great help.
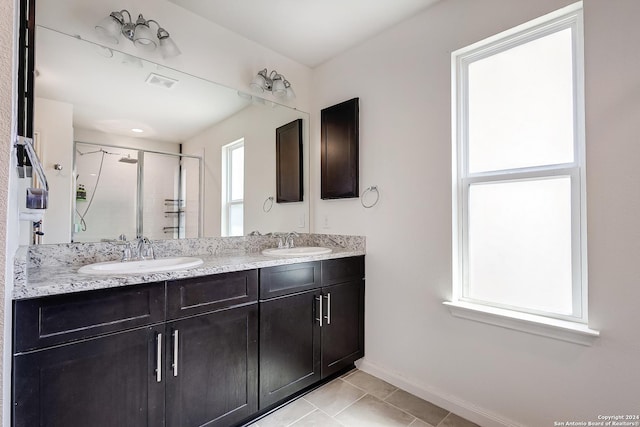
x: 301, y: 220
x: 325, y: 221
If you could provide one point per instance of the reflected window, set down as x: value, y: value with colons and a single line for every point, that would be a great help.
x: 233, y: 189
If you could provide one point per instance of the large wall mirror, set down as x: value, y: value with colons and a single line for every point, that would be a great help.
x: 208, y: 152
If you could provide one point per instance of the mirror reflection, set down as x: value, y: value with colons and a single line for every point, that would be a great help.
x: 91, y: 98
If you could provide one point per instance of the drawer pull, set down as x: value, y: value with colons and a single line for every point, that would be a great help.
x: 328, y: 316
x: 175, y: 353
x: 319, y: 318
x: 159, y: 358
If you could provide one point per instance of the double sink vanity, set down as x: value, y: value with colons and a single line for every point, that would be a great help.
x: 218, y: 343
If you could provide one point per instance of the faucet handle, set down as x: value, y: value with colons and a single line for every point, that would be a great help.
x: 127, y: 252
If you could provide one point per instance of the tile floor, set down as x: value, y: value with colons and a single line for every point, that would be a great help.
x: 358, y: 399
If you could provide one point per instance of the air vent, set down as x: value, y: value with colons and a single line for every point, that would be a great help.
x: 162, y: 81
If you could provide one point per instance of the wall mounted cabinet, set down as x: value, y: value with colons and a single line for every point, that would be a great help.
x: 339, y: 141
x: 289, y: 177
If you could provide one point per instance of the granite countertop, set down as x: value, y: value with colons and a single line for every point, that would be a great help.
x: 42, y: 280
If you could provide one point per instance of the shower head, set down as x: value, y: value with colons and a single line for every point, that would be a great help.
x: 128, y: 159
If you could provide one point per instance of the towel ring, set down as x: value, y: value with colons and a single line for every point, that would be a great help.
x: 269, y: 201
x: 373, y: 188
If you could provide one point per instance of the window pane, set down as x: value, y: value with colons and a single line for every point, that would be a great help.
x: 520, y: 244
x: 237, y: 173
x: 521, y: 106
x: 236, y: 213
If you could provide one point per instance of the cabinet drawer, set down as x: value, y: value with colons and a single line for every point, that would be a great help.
x: 342, y: 270
x: 289, y: 279
x: 210, y: 293
x: 48, y: 321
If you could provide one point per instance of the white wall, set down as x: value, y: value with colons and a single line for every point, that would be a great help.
x: 8, y: 196
x: 54, y: 124
x: 257, y: 125
x: 491, y: 375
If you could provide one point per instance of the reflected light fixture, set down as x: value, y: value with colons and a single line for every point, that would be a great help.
x: 111, y: 28
x: 274, y: 82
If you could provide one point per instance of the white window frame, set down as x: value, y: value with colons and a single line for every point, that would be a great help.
x: 554, y: 324
x: 227, y: 201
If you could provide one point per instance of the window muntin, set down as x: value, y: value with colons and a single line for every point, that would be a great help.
x: 518, y: 171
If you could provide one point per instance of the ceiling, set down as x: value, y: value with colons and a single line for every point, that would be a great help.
x: 307, y: 31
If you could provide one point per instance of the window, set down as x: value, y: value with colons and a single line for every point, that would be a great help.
x: 518, y: 171
x: 233, y: 189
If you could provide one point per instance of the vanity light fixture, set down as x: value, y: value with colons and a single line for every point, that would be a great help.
x: 112, y: 27
x: 274, y: 82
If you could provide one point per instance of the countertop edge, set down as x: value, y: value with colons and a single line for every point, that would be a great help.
x: 47, y: 281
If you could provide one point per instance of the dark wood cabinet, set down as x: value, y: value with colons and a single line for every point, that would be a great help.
x: 212, y: 374
x: 289, y: 166
x: 339, y: 145
x: 101, y: 382
x: 289, y: 346
x: 187, y: 353
x: 343, y: 327
x: 309, y: 334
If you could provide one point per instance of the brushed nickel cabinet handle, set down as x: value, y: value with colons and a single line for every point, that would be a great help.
x: 319, y: 318
x: 159, y: 358
x: 328, y: 316
x: 175, y: 353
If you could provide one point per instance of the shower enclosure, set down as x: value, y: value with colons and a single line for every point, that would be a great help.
x: 130, y: 192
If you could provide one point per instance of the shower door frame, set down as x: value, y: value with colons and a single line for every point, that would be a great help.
x: 140, y: 183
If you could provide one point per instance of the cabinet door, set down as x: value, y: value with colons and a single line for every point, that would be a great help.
x: 289, y: 345
x: 213, y: 381
x: 102, y: 382
x: 343, y: 328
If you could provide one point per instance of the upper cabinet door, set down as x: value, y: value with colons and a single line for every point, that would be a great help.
x: 339, y: 151
x: 289, y: 182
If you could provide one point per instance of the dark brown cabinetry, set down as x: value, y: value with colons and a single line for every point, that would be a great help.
x: 186, y: 353
x: 212, y: 377
x: 101, y: 382
x: 309, y: 331
x: 339, y: 141
x: 203, y: 364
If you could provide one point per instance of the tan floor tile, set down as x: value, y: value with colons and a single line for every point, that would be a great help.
x: 417, y: 407
x: 346, y: 374
x: 419, y: 423
x: 317, y: 419
x: 286, y: 415
x: 371, y: 411
x: 454, y: 420
x: 334, y: 397
x: 370, y: 384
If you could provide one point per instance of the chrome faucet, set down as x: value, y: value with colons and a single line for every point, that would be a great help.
x: 145, y: 249
x: 288, y: 243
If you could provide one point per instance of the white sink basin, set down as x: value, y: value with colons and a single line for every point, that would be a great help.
x: 138, y: 267
x: 300, y: 251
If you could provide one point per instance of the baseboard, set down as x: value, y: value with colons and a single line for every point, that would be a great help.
x: 451, y: 403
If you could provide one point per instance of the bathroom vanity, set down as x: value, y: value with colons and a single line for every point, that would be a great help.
x: 212, y: 349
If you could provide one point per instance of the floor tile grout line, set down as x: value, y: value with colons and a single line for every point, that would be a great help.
x: 350, y: 405
x: 367, y: 391
x: 407, y: 412
x: 442, y: 420
x: 298, y: 419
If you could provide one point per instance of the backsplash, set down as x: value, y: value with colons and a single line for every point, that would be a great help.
x: 77, y: 254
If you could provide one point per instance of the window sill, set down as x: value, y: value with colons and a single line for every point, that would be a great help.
x: 563, y: 330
